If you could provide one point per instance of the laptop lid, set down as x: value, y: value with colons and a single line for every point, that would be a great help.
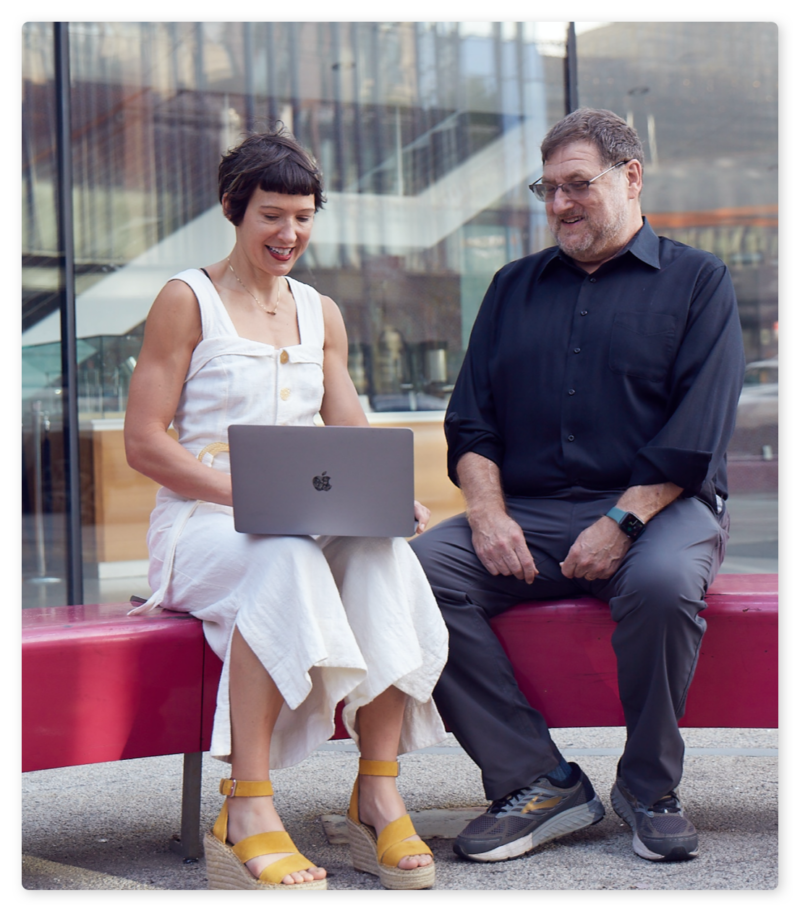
x: 322, y: 480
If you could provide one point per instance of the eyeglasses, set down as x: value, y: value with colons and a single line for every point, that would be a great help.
x: 575, y: 189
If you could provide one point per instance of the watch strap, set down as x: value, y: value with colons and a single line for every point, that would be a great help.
x: 629, y: 523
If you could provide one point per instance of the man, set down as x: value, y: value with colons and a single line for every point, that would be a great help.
x: 587, y: 431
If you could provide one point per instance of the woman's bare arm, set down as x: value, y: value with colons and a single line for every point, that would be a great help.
x: 340, y: 404
x: 172, y: 332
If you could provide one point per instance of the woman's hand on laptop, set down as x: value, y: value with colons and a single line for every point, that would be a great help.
x: 422, y: 514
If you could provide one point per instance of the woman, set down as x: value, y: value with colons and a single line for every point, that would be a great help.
x: 300, y: 623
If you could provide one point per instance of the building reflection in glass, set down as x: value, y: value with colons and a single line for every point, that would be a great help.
x: 427, y: 134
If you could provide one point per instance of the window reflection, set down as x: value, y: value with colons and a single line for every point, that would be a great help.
x: 428, y: 135
x: 704, y: 99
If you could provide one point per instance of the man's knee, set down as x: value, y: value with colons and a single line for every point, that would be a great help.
x: 454, y: 572
x: 441, y: 550
x: 661, y: 590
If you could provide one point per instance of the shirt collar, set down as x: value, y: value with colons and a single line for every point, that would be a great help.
x: 643, y: 245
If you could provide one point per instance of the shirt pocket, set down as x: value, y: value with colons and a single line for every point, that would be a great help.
x: 642, y: 344
x: 306, y: 379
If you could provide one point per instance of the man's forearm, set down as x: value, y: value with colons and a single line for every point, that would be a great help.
x: 482, y: 488
x: 479, y: 479
x: 647, y: 500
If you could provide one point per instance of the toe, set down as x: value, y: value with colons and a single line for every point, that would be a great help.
x: 304, y: 876
x: 415, y: 860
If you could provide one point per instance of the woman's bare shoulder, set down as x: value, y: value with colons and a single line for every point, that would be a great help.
x: 175, y: 315
x: 178, y: 296
x: 334, y: 321
x: 176, y: 291
x: 330, y: 309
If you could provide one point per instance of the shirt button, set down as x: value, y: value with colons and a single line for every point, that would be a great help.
x: 577, y: 350
x: 284, y: 357
x: 584, y: 312
x: 592, y: 280
x: 571, y: 437
x: 570, y: 392
x: 285, y: 393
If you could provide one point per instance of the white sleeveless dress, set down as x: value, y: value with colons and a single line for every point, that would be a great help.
x: 330, y: 618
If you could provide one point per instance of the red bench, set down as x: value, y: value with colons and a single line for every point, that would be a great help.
x: 99, y: 686
x: 572, y: 677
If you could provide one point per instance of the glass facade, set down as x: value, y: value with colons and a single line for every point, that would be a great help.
x: 427, y: 135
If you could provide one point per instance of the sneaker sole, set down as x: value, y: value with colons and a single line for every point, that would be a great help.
x: 623, y: 809
x: 572, y: 820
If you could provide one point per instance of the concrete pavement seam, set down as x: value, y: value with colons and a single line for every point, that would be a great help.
x: 335, y: 747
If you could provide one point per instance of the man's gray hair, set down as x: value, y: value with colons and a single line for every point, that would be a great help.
x: 609, y: 133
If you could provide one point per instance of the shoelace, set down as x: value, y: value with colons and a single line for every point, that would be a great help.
x: 498, y: 806
x: 514, y: 798
x: 667, y: 804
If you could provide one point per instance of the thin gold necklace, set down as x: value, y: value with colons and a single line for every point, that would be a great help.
x: 277, y: 299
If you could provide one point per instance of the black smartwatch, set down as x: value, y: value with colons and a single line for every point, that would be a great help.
x: 629, y: 524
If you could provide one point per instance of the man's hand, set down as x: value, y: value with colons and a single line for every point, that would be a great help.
x: 599, y: 549
x: 498, y: 540
x: 500, y: 545
x: 597, y: 552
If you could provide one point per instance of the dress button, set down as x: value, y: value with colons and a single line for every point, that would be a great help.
x: 577, y: 350
x: 571, y: 437
x: 285, y: 393
x: 284, y: 357
x: 570, y: 392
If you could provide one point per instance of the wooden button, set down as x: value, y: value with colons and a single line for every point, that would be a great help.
x: 284, y: 357
x: 285, y: 393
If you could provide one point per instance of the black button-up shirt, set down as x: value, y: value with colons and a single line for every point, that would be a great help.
x: 628, y: 376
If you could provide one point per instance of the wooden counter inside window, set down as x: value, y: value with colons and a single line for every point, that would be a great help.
x: 122, y: 498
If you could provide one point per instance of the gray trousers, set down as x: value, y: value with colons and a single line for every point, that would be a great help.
x: 655, y: 598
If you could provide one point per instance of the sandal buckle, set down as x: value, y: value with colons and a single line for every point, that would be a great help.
x: 232, y: 792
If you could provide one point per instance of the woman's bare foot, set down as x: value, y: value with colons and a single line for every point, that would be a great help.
x: 253, y: 815
x: 379, y: 803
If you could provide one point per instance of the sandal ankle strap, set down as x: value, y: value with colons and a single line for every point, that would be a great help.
x: 235, y: 787
x: 378, y: 767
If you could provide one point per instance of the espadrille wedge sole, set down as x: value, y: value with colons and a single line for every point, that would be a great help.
x: 379, y: 855
x: 226, y: 871
x: 225, y: 863
x: 364, y: 856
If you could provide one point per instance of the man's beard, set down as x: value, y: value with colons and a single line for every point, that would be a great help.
x: 597, y: 238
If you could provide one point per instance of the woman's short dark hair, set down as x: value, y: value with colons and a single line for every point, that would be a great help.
x: 274, y: 162
x: 607, y: 131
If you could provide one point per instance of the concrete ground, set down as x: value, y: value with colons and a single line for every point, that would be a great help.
x: 108, y: 826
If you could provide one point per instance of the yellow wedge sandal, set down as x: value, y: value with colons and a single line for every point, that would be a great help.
x: 225, y: 863
x: 380, y: 854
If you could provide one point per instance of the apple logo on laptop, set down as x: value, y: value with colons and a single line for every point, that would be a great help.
x: 322, y: 482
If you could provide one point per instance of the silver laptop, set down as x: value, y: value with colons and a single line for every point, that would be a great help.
x: 322, y: 480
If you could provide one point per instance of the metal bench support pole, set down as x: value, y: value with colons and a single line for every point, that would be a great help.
x: 189, y: 844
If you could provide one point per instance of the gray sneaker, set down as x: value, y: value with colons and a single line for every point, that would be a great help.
x: 526, y: 818
x: 660, y: 831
